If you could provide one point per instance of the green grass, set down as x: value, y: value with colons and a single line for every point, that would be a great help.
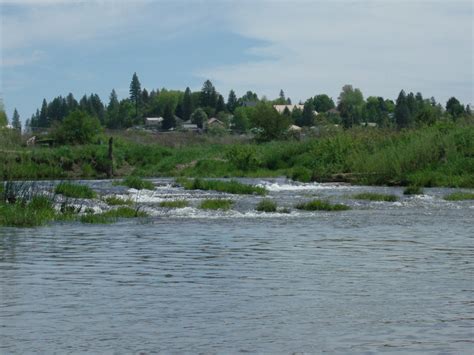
x: 135, y: 182
x: 232, y: 186
x: 68, y: 189
x: 266, y: 205
x: 112, y: 215
x: 216, y: 204
x: 375, y: 197
x: 321, y: 205
x: 174, y: 204
x: 459, y: 196
x: 413, y: 190
x: 39, y: 211
x: 117, y: 201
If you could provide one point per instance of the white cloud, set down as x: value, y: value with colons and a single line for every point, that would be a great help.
x: 317, y: 46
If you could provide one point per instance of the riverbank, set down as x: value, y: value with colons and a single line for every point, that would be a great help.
x: 442, y: 155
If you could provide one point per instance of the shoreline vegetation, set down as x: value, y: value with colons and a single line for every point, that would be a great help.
x: 441, y: 155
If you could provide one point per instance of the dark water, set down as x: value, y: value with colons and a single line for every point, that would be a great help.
x: 383, y: 277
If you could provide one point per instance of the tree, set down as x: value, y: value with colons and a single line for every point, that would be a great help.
x: 3, y: 115
x: 271, y: 124
x: 187, y: 104
x: 220, y: 105
x: 135, y: 92
x: 113, y: 108
x: 16, y: 123
x: 402, y: 112
x: 199, y: 117
x: 323, y: 103
x: 350, y: 104
x: 43, y: 115
x: 232, y: 102
x: 168, y: 118
x: 307, y: 118
x: 240, y: 122
x: 454, y: 107
x: 77, y: 128
x: 208, y: 96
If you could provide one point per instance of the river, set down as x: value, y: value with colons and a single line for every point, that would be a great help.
x: 382, y: 277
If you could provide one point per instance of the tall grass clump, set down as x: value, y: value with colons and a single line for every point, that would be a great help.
x: 117, y: 201
x: 266, y: 205
x: 459, y: 196
x: 112, y: 215
x: 68, y: 189
x: 321, y: 205
x: 370, y: 196
x: 135, y: 182
x: 216, y: 204
x: 413, y: 190
x: 232, y: 186
x: 36, y: 212
x: 174, y: 204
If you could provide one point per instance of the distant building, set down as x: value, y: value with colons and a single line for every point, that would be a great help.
x: 281, y: 108
x: 153, y: 121
x: 214, y: 122
x: 333, y: 111
x: 188, y: 126
x: 294, y: 128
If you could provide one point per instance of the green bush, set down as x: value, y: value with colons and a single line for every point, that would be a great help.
x: 68, y: 189
x: 243, y: 157
x: 266, y: 205
x: 37, y: 212
x: 321, y: 205
x: 413, y: 190
x: 216, y: 204
x: 232, y: 187
x: 459, y: 196
x: 77, y: 128
x: 174, y: 204
x: 116, y: 201
x: 375, y: 197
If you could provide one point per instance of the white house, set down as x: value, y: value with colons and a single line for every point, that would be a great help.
x: 153, y: 121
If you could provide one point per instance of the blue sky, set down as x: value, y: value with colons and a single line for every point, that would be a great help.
x: 53, y: 47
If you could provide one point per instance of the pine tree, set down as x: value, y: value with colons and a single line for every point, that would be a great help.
x: 187, y: 104
x: 113, y: 108
x: 402, y: 112
x: 220, y: 105
x: 208, y: 95
x: 168, y: 118
x: 307, y: 118
x: 3, y: 115
x: 16, y: 120
x: 232, y: 102
x: 135, y: 92
x: 43, y: 116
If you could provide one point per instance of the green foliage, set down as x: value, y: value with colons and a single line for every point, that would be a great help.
x: 135, y: 92
x: 459, y: 196
x: 231, y: 187
x: 216, y: 204
x: 375, y: 197
x: 77, y: 128
x: 135, y: 182
x: 243, y: 157
x: 16, y: 123
x: 112, y: 215
x: 321, y: 205
x: 37, y: 212
x: 266, y: 205
x: 199, y: 117
x: 413, y: 190
x: 272, y: 124
x: 350, y: 105
x: 174, y: 204
x: 241, y: 121
x: 68, y: 189
x: 323, y: 103
x: 117, y: 201
x: 169, y: 121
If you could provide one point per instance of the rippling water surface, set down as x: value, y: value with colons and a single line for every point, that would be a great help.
x: 382, y: 277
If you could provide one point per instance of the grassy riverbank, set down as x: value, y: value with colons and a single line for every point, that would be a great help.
x: 442, y: 155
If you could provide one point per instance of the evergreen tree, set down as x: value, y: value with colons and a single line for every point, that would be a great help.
x: 232, y: 101
x: 113, y: 108
x: 307, y: 118
x: 288, y: 101
x: 3, y: 115
x: 71, y: 103
x: 208, y: 95
x: 402, y: 112
x: 187, y: 104
x: 454, y: 107
x: 135, y: 92
x: 168, y: 118
x: 220, y: 105
x: 43, y: 120
x: 16, y: 120
x: 179, y: 110
x: 287, y: 112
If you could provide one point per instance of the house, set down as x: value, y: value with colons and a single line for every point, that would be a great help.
x: 294, y: 128
x: 333, y: 111
x: 281, y: 108
x: 153, y: 121
x: 188, y: 126
x: 214, y: 122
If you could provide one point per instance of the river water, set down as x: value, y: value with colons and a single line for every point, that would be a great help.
x: 382, y: 277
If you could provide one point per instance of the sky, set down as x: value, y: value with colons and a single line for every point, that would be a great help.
x: 305, y: 47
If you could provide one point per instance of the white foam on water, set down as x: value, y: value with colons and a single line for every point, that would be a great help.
x: 276, y: 187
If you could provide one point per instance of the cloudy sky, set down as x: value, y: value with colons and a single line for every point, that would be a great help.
x: 305, y: 47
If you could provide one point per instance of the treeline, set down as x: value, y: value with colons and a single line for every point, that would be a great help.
x: 249, y: 111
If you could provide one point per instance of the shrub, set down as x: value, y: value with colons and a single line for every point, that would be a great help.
x: 116, y: 201
x: 216, y: 204
x: 74, y: 190
x: 77, y: 128
x: 37, y: 212
x: 459, y: 196
x: 375, y: 197
x: 266, y: 205
x: 243, y: 157
x: 232, y: 187
x: 413, y: 190
x: 174, y: 204
x: 320, y: 205
x: 136, y: 182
